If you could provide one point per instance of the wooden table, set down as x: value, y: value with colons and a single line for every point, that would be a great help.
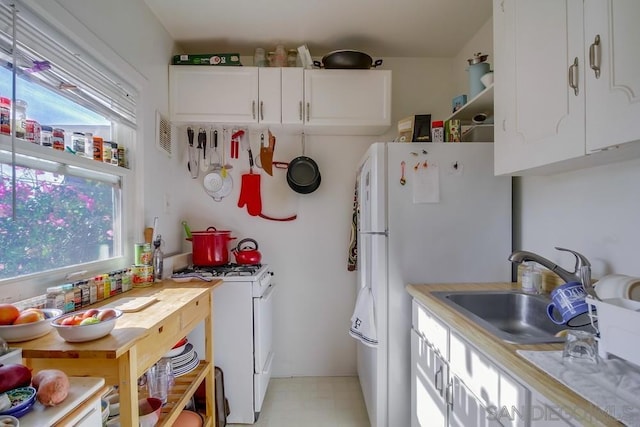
x: 139, y: 340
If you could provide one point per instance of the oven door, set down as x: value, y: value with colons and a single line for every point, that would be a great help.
x: 262, y: 339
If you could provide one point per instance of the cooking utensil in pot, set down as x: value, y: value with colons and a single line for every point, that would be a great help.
x: 246, y: 252
x: 266, y: 153
x: 193, y: 155
x: 303, y: 173
x: 347, y: 59
x: 210, y: 247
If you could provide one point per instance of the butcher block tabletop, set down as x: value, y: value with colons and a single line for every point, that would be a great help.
x: 504, y: 354
x: 130, y: 327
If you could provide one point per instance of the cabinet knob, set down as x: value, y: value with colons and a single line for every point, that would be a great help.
x: 595, y: 56
x: 308, y: 108
x: 573, y: 76
x: 253, y: 109
x: 261, y: 110
x: 300, y: 110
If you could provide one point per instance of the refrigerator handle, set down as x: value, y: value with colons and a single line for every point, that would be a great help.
x: 375, y: 233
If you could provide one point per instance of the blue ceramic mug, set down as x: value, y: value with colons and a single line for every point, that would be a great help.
x: 568, y: 300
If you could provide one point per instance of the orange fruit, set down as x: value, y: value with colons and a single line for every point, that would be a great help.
x: 8, y: 314
x: 28, y: 316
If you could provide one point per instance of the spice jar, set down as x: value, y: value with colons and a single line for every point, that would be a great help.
x: 46, y: 136
x: 21, y: 117
x: 5, y: 116
x: 58, y: 139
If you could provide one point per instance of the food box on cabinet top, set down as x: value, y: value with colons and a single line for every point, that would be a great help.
x: 207, y: 59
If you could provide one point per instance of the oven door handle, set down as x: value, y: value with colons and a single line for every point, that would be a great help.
x: 267, y: 365
x: 267, y: 295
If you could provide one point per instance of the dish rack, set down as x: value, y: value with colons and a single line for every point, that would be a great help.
x: 618, y: 326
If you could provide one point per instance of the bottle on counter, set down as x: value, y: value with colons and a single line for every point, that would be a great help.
x: 158, y: 259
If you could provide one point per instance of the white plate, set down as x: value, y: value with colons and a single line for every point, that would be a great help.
x: 193, y: 364
x: 183, y: 357
x: 175, y: 351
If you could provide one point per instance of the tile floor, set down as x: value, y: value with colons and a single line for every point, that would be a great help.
x: 313, y: 402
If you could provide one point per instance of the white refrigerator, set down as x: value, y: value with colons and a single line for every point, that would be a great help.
x: 428, y: 213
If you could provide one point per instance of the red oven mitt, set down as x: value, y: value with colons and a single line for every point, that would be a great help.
x: 250, y: 194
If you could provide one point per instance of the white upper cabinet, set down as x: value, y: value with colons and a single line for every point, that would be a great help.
x: 213, y: 94
x: 539, y: 119
x: 292, y: 96
x: 269, y: 96
x: 324, y: 102
x: 612, y: 33
x: 344, y: 102
x: 551, y: 112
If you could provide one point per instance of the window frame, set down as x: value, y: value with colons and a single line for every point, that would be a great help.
x: 63, y: 24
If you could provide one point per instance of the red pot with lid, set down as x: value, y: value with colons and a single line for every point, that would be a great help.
x: 210, y: 247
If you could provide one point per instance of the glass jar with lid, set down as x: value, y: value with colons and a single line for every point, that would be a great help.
x: 292, y: 58
x: 260, y: 58
x: 280, y: 57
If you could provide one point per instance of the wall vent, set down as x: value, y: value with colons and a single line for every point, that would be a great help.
x: 163, y: 134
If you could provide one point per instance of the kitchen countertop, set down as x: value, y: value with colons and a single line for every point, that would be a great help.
x: 504, y: 354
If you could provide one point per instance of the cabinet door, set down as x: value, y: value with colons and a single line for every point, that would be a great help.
x: 539, y: 118
x: 269, y: 95
x: 428, y: 378
x: 467, y: 410
x: 613, y: 98
x: 497, y: 390
x: 201, y: 94
x: 292, y: 95
x: 342, y: 102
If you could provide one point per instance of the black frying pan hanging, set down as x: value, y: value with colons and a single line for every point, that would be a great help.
x: 303, y: 175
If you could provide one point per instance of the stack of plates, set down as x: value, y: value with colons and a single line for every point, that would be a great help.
x: 185, y: 362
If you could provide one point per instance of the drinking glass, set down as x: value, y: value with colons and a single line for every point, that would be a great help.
x: 159, y: 379
x: 581, y: 351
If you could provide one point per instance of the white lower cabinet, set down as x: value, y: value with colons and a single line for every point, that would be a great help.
x: 468, y: 410
x: 429, y: 372
x: 453, y: 383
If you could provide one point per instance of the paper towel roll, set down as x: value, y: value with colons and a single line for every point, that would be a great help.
x: 618, y: 286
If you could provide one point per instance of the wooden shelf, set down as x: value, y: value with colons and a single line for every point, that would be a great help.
x: 184, y: 388
x: 481, y: 103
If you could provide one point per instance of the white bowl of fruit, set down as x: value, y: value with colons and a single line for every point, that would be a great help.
x: 86, y: 325
x: 23, y: 325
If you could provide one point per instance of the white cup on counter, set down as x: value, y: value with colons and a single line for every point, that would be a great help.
x: 618, y: 286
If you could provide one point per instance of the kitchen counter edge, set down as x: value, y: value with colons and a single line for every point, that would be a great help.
x: 504, y: 354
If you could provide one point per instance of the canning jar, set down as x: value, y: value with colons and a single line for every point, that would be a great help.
x: 260, y: 58
x: 292, y: 58
x: 279, y: 57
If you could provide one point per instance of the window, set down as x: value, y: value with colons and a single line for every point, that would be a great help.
x: 60, y: 212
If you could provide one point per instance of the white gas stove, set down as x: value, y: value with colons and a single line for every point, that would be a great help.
x: 242, y: 318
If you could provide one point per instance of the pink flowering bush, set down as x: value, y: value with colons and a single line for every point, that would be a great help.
x: 60, y: 221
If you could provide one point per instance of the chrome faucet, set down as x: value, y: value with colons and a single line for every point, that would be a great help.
x: 581, y: 271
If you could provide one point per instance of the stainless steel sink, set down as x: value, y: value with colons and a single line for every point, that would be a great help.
x: 514, y: 317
